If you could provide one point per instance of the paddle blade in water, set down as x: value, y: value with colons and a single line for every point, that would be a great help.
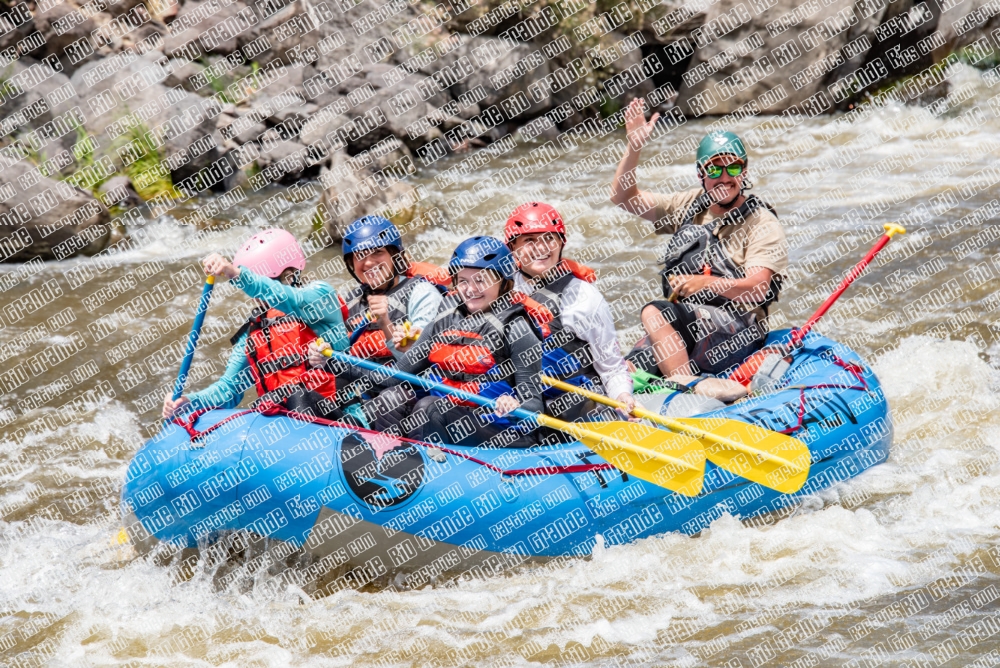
x: 760, y: 455
x: 674, y: 461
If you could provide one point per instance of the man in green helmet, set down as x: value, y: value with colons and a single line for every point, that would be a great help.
x: 722, y: 267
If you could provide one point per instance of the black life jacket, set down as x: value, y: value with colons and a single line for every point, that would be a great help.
x: 565, y: 356
x: 693, y: 247
x: 369, y: 342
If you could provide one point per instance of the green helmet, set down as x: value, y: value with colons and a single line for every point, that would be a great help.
x: 721, y: 142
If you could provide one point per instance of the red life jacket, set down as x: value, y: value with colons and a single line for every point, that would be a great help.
x: 372, y: 344
x: 277, y: 350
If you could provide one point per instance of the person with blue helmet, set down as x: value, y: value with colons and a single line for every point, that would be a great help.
x: 392, y: 289
x: 723, y: 266
x: 395, y: 300
x: 483, y: 341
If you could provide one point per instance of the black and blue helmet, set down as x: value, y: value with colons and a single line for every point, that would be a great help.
x: 367, y: 233
x: 483, y: 253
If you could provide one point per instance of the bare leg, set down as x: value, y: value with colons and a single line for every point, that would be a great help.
x: 668, y: 346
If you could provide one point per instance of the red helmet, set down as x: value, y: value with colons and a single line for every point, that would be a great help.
x: 533, y: 218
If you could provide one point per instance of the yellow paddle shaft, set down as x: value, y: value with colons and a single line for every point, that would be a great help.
x: 638, y: 411
x: 588, y: 435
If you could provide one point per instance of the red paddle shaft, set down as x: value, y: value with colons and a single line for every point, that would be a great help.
x: 745, y: 372
x: 890, y: 230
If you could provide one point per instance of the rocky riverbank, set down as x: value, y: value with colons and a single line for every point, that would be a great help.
x: 106, y: 105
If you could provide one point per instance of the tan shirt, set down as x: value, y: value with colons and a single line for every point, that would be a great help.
x: 757, y: 242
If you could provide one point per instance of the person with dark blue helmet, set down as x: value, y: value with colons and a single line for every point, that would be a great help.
x: 393, y: 290
x: 395, y: 300
x: 483, y: 341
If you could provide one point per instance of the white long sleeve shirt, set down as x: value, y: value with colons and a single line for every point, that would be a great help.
x: 587, y: 314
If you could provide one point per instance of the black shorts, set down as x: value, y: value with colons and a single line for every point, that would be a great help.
x: 716, y: 339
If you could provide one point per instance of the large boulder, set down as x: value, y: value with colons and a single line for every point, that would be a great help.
x: 34, y: 95
x: 814, y: 57
x: 768, y: 61
x: 195, y: 22
x: 46, y: 218
x: 361, y: 32
x: 281, y: 22
x: 176, y: 117
x: 59, y: 30
x: 513, y: 74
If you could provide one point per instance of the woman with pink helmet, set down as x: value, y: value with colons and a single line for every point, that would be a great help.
x: 269, y: 350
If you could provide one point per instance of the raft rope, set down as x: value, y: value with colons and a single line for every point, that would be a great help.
x: 270, y: 408
x: 274, y: 409
x: 855, y: 369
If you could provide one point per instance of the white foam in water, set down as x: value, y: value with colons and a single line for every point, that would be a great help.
x: 827, y: 556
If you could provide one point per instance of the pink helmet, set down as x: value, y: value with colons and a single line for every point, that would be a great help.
x: 271, y: 252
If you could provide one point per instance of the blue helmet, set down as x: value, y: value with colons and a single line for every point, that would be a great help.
x: 483, y: 253
x: 367, y: 233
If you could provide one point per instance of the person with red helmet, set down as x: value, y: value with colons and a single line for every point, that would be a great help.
x: 270, y: 350
x: 582, y: 347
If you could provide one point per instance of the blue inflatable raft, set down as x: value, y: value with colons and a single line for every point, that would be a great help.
x: 368, y: 504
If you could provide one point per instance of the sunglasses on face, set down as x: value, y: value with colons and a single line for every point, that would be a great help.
x: 715, y: 171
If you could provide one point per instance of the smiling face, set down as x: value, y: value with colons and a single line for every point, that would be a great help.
x: 723, y: 189
x: 537, y: 253
x: 374, y: 267
x: 478, y: 288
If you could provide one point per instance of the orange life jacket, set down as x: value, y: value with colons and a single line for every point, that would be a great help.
x: 430, y: 272
x: 470, y: 352
x: 277, y: 349
x: 581, y: 271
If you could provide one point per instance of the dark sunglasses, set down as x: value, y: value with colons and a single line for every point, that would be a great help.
x: 715, y: 171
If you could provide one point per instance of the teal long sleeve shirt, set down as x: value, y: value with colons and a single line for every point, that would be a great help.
x: 316, y: 304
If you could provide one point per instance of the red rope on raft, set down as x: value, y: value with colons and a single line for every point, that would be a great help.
x: 849, y: 366
x: 274, y: 409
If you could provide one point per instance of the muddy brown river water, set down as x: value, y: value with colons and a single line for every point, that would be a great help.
x: 899, y: 567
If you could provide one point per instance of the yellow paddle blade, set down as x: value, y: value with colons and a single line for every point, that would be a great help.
x: 774, y: 460
x: 669, y: 460
x: 777, y: 461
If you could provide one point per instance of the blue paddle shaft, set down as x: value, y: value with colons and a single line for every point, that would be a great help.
x: 358, y: 331
x: 519, y: 413
x: 199, y: 319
